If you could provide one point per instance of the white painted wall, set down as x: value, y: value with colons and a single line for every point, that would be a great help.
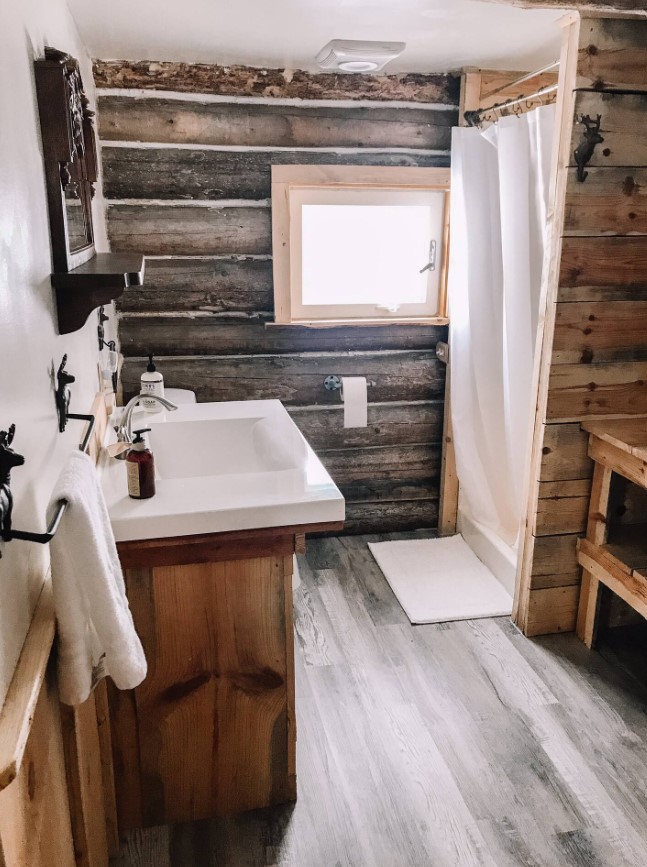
x: 30, y: 347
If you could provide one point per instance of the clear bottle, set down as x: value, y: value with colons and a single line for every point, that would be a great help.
x: 140, y: 468
x: 151, y: 382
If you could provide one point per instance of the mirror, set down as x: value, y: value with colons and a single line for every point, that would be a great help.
x: 79, y: 233
x: 70, y: 157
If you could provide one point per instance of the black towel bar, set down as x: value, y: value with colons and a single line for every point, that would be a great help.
x: 8, y: 534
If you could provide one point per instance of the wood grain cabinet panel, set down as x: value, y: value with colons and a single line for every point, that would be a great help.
x: 211, y: 729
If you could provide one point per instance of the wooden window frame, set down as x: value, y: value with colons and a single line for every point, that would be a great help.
x: 286, y: 178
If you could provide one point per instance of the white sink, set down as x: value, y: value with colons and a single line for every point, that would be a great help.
x: 222, y: 466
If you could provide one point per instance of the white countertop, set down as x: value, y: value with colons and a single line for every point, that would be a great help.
x: 235, y: 465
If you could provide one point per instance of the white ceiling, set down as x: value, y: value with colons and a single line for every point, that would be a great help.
x: 441, y: 35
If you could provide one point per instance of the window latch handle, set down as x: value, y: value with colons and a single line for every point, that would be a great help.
x: 431, y: 264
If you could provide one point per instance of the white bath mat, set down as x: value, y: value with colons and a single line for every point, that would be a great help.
x: 436, y: 580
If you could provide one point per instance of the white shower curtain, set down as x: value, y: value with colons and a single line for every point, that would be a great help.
x: 499, y: 196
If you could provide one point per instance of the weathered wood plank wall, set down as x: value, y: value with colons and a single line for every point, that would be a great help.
x: 597, y: 364
x: 187, y: 152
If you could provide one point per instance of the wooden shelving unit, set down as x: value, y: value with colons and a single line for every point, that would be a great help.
x: 613, y: 557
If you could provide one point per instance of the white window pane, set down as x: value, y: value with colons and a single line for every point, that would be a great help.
x: 365, y: 254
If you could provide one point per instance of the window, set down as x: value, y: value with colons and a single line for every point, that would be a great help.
x: 358, y: 244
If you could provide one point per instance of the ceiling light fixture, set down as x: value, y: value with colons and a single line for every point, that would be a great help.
x: 356, y: 55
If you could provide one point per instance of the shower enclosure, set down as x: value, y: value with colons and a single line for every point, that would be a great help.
x: 500, y: 186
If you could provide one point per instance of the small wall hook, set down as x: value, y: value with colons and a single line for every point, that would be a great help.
x: 8, y: 460
x: 586, y: 148
x: 63, y: 393
x: 103, y: 317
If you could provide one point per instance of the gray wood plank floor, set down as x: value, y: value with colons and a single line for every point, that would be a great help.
x: 454, y: 744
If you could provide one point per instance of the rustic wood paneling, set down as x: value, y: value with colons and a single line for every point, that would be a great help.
x: 85, y: 783
x: 565, y: 453
x: 597, y: 364
x: 600, y: 331
x: 187, y: 173
x: 207, y: 301
x: 390, y: 517
x: 388, y: 424
x: 384, y: 463
x: 579, y: 391
x: 166, y: 229
x: 174, y: 335
x: 553, y: 609
x: 603, y: 269
x: 211, y: 284
x: 239, y: 80
x: 34, y: 813
x: 562, y: 507
x: 611, y: 201
x: 297, y: 379
x: 613, y: 54
x: 383, y: 491
x: 555, y: 561
x: 175, y: 121
x: 622, y: 115
x: 608, y: 7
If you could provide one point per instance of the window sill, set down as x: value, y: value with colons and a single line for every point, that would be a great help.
x: 336, y: 323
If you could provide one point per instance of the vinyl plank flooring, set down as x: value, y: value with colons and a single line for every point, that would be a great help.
x: 448, y: 745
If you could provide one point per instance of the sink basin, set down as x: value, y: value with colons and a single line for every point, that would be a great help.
x: 223, y: 446
x: 220, y: 467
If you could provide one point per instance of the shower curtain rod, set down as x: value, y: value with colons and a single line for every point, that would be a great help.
x: 545, y: 96
x: 476, y: 117
x: 527, y: 77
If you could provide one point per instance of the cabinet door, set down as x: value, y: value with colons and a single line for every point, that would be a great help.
x: 214, y: 717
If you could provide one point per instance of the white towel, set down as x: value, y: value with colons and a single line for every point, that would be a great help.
x: 96, y: 632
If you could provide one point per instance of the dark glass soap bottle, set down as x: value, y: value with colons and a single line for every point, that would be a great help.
x: 140, y: 467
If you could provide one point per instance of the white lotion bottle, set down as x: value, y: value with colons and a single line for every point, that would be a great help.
x: 152, y: 382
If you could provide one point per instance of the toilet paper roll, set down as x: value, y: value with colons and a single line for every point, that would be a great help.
x: 354, y: 395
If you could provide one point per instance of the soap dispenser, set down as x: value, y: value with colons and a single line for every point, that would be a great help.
x: 140, y: 468
x: 152, y: 382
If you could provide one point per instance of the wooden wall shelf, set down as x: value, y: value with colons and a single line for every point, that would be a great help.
x: 99, y: 281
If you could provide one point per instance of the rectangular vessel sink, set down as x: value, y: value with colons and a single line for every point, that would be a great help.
x: 220, y: 467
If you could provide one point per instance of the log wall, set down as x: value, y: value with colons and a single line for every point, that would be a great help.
x: 594, y: 362
x: 187, y: 152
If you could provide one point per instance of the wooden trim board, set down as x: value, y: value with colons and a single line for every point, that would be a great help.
x: 19, y: 706
x: 525, y: 616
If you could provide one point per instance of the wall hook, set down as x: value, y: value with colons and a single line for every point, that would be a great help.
x: 63, y: 394
x: 586, y: 148
x: 103, y: 317
x: 8, y: 460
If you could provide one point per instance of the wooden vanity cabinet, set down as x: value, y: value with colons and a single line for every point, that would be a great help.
x: 212, y: 728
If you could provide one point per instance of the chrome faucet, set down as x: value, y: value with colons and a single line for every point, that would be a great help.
x: 125, y: 427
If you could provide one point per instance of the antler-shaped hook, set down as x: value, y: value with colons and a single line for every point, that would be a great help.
x: 8, y: 460
x: 63, y: 393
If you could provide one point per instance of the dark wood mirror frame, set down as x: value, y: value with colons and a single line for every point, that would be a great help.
x: 69, y: 150
x: 83, y: 279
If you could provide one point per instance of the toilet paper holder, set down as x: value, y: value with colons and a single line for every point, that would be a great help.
x: 333, y: 383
